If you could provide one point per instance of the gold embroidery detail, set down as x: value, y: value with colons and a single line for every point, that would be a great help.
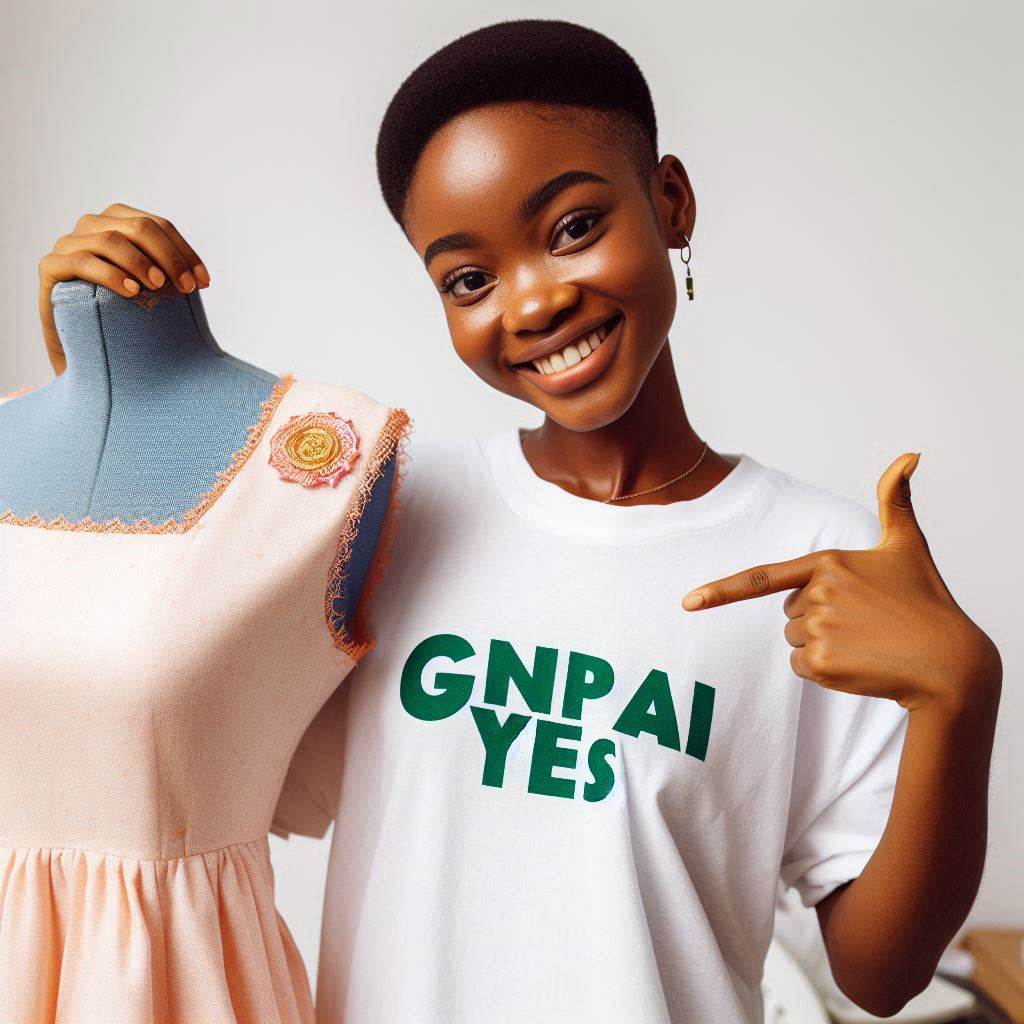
x: 224, y: 477
x: 393, y: 437
x: 313, y: 447
x: 315, y: 450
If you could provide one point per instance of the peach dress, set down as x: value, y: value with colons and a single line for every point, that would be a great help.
x: 155, y: 681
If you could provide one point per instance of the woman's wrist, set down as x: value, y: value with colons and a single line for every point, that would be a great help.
x: 972, y: 690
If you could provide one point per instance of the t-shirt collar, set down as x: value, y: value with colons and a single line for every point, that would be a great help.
x: 554, y: 508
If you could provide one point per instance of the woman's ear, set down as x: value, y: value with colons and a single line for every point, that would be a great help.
x: 673, y: 200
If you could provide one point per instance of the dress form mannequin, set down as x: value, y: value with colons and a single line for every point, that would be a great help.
x: 209, y: 535
x: 148, y: 412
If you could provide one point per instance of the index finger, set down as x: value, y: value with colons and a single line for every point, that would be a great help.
x: 755, y: 582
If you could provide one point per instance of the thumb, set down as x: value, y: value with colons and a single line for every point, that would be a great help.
x: 895, y: 509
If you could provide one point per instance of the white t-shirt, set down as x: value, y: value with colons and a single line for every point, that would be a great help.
x: 565, y: 800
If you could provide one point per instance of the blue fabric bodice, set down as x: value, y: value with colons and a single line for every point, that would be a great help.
x: 146, y: 413
x: 149, y: 410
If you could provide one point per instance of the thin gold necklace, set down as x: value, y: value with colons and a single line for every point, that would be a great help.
x: 667, y: 483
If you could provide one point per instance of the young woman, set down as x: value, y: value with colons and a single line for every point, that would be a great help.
x: 568, y: 790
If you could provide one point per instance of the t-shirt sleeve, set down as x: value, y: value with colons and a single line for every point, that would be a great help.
x: 848, y: 751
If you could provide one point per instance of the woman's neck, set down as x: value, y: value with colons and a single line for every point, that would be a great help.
x: 652, y: 442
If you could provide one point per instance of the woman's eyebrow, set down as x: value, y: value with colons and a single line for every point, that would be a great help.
x: 530, y: 207
x: 539, y: 198
x: 449, y: 243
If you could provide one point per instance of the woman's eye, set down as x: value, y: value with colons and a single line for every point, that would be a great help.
x: 468, y: 283
x: 574, y: 230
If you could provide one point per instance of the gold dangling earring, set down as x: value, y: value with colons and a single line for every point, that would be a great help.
x: 686, y: 263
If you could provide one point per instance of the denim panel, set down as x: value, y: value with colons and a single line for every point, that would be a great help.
x: 364, y: 547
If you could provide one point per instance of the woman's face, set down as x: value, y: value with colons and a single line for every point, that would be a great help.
x: 551, y: 256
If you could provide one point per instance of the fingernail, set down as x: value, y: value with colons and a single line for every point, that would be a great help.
x: 131, y: 285
x: 202, y: 274
x: 188, y: 282
x: 908, y: 470
x: 693, y: 601
x: 157, y: 277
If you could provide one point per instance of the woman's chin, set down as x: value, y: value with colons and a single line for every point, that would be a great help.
x: 590, y: 413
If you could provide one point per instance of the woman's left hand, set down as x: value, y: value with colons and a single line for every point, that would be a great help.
x: 879, y: 622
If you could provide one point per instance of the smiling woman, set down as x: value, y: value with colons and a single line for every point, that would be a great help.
x: 520, y: 808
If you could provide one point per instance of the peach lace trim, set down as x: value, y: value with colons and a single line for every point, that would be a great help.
x: 224, y: 477
x: 393, y: 437
x: 15, y: 394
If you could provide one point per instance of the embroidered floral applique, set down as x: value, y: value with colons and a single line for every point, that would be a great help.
x: 315, y: 449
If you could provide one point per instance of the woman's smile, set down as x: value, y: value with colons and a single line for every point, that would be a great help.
x: 558, y: 366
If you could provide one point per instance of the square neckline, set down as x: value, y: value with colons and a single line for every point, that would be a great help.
x: 143, y: 526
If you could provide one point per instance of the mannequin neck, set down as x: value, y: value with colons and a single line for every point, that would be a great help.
x: 147, y: 414
x: 133, y: 346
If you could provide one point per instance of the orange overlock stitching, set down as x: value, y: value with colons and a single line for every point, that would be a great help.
x: 224, y: 477
x: 393, y: 437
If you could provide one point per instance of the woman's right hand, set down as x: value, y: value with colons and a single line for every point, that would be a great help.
x: 123, y: 248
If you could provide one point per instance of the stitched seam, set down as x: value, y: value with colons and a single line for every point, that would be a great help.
x: 206, y: 501
x: 110, y: 409
x: 140, y: 860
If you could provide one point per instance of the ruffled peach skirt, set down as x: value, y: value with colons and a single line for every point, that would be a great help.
x: 92, y: 938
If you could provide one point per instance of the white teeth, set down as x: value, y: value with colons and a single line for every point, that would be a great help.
x: 573, y: 353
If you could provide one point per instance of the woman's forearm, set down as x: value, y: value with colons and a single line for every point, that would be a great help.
x: 888, y: 928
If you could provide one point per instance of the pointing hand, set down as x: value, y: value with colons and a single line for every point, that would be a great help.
x: 879, y: 622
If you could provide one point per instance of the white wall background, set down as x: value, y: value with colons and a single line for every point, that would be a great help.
x: 858, y: 172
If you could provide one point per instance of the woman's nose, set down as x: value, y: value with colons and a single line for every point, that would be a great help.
x: 535, y: 306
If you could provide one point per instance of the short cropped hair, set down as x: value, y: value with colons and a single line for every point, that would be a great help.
x: 549, y: 62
